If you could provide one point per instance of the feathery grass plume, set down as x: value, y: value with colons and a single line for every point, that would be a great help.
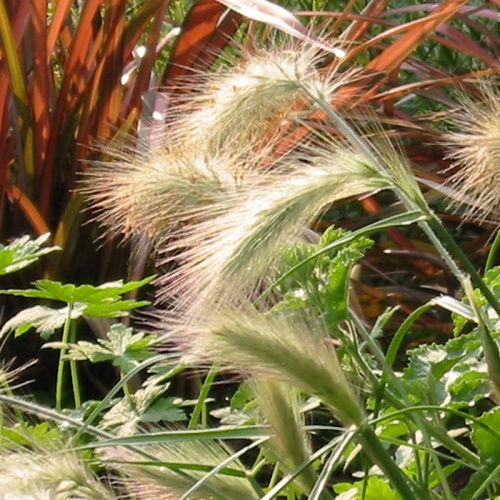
x: 289, y: 443
x: 246, y: 104
x: 48, y: 473
x: 158, y: 192
x: 150, y: 482
x: 229, y: 253
x: 474, y: 149
x: 292, y: 348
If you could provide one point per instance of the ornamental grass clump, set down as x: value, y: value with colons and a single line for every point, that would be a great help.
x: 225, y: 224
x: 219, y: 202
x: 213, y: 147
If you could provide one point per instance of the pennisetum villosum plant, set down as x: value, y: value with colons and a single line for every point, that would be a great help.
x: 223, y: 201
x: 228, y: 203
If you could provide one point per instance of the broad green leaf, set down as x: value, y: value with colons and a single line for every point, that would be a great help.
x: 486, y: 437
x: 88, y: 294
x: 374, y: 488
x: 23, y: 252
x: 243, y: 409
x: 454, y: 374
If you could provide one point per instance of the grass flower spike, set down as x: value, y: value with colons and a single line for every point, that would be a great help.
x: 231, y: 252
x: 290, y: 348
x: 48, y: 474
x: 246, y: 104
x: 149, y: 482
x: 155, y: 194
x: 475, y: 151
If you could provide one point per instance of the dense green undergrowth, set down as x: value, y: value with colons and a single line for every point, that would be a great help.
x: 320, y: 400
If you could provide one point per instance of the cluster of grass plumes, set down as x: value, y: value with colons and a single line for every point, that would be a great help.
x: 474, y: 148
x: 231, y: 252
x: 149, y: 481
x: 224, y: 208
x: 214, y: 196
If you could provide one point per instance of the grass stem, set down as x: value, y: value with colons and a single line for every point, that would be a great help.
x: 61, y: 365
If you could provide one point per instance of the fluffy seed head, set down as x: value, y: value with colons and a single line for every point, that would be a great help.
x: 245, y: 104
x: 44, y: 475
x: 156, y: 193
x: 230, y: 253
x: 475, y: 152
x: 151, y: 482
x: 290, y: 348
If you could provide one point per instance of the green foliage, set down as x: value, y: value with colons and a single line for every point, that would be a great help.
x: 144, y: 406
x: 326, y: 410
x: 122, y: 347
x: 318, y: 276
x: 22, y: 253
x: 454, y: 375
x: 374, y: 488
x: 103, y: 301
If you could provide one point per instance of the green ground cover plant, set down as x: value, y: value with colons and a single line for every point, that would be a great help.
x: 261, y: 290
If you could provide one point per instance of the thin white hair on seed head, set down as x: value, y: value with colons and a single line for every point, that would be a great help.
x: 231, y: 253
x: 246, y: 104
x: 216, y: 137
x: 474, y: 150
x: 48, y: 472
x: 158, y: 192
x: 153, y: 482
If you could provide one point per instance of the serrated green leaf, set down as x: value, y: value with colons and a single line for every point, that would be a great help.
x: 44, y: 320
x: 23, y: 434
x: 22, y: 253
x: 133, y: 409
x: 122, y: 347
x: 82, y: 351
x: 454, y: 374
x: 486, y: 437
x: 164, y: 409
x: 374, y: 488
x: 320, y: 282
x: 113, y: 309
x: 87, y: 294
